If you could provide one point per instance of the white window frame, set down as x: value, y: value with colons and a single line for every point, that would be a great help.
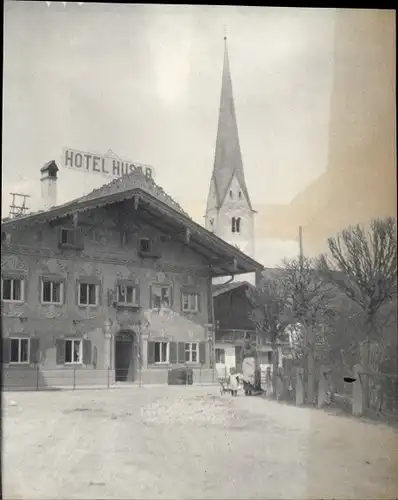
x: 12, y: 279
x: 125, y: 303
x: 20, y: 350
x: 80, y: 352
x: 167, y: 361
x: 190, y: 350
x: 189, y: 307
x: 61, y: 291
x: 80, y: 283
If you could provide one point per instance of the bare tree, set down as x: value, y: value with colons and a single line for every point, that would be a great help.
x: 269, y: 301
x: 309, y: 299
x: 363, y: 265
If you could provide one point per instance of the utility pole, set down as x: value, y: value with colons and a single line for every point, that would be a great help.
x: 308, y: 334
x: 301, y: 243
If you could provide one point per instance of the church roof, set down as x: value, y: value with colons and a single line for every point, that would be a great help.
x: 228, y: 156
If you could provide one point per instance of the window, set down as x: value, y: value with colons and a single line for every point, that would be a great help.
x: 19, y: 350
x: 12, y: 289
x: 220, y: 356
x: 145, y: 245
x: 230, y: 194
x: 240, y: 194
x: 190, y: 302
x: 191, y: 352
x: 88, y: 294
x: 67, y: 236
x: 127, y: 295
x: 73, y: 351
x: 235, y: 227
x: 51, y: 292
x: 161, y: 352
x: 160, y: 296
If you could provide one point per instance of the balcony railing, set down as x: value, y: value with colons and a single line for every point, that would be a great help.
x: 235, y: 336
x: 240, y: 336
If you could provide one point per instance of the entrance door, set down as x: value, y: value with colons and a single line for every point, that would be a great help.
x: 124, y: 357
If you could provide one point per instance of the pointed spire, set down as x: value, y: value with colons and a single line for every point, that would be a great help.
x: 228, y: 157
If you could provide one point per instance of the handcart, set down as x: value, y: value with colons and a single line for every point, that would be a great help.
x: 226, y: 387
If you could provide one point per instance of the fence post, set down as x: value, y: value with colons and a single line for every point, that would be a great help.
x: 268, y: 381
x: 37, y: 377
x: 323, y: 385
x: 357, y: 392
x: 107, y: 378
x: 299, y: 386
x: 74, y: 378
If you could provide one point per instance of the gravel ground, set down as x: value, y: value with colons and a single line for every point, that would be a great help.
x: 188, y: 442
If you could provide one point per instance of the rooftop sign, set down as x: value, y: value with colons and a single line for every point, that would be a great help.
x: 105, y: 165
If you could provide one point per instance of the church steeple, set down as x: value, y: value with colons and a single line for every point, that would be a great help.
x: 228, y: 156
x: 229, y: 212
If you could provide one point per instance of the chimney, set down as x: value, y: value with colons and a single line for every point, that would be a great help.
x: 49, y: 185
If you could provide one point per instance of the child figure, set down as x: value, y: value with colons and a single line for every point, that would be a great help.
x: 233, y: 382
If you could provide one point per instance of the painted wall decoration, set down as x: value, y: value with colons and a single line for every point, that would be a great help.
x: 13, y: 262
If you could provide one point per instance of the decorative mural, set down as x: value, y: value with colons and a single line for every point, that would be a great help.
x: 13, y: 262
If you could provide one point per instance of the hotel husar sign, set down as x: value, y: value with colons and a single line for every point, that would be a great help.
x: 105, y: 165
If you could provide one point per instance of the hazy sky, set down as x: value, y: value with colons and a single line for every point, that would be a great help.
x: 145, y: 81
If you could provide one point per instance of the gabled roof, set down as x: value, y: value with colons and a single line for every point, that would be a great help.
x: 155, y: 208
x: 228, y: 156
x: 227, y: 287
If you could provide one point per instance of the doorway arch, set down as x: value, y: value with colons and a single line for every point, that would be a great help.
x: 125, y: 356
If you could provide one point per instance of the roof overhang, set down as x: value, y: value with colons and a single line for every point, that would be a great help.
x: 229, y: 287
x: 222, y: 259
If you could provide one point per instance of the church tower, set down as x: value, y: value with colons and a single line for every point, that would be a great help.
x: 229, y: 213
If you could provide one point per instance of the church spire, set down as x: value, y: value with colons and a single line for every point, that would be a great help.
x: 228, y: 158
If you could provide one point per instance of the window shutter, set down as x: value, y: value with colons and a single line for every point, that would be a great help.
x: 198, y: 295
x: 79, y: 238
x: 6, y: 346
x: 34, y: 350
x: 86, y: 352
x: 202, y: 353
x: 150, y: 298
x: 137, y: 294
x: 181, y: 352
x: 60, y: 348
x: 173, y: 353
x: 151, y: 353
x: 95, y: 357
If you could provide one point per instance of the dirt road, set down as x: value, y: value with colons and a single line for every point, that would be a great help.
x: 188, y: 442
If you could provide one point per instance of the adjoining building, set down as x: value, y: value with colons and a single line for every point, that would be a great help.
x: 113, y: 284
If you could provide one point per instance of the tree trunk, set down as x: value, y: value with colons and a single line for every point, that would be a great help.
x: 310, y: 365
x: 365, y: 362
x: 274, y: 368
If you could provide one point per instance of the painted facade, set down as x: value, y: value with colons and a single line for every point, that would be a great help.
x: 106, y: 288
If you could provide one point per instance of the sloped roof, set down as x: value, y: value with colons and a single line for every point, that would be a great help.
x: 133, y: 180
x: 220, y: 289
x: 228, y: 157
x: 137, y: 179
x: 157, y: 209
